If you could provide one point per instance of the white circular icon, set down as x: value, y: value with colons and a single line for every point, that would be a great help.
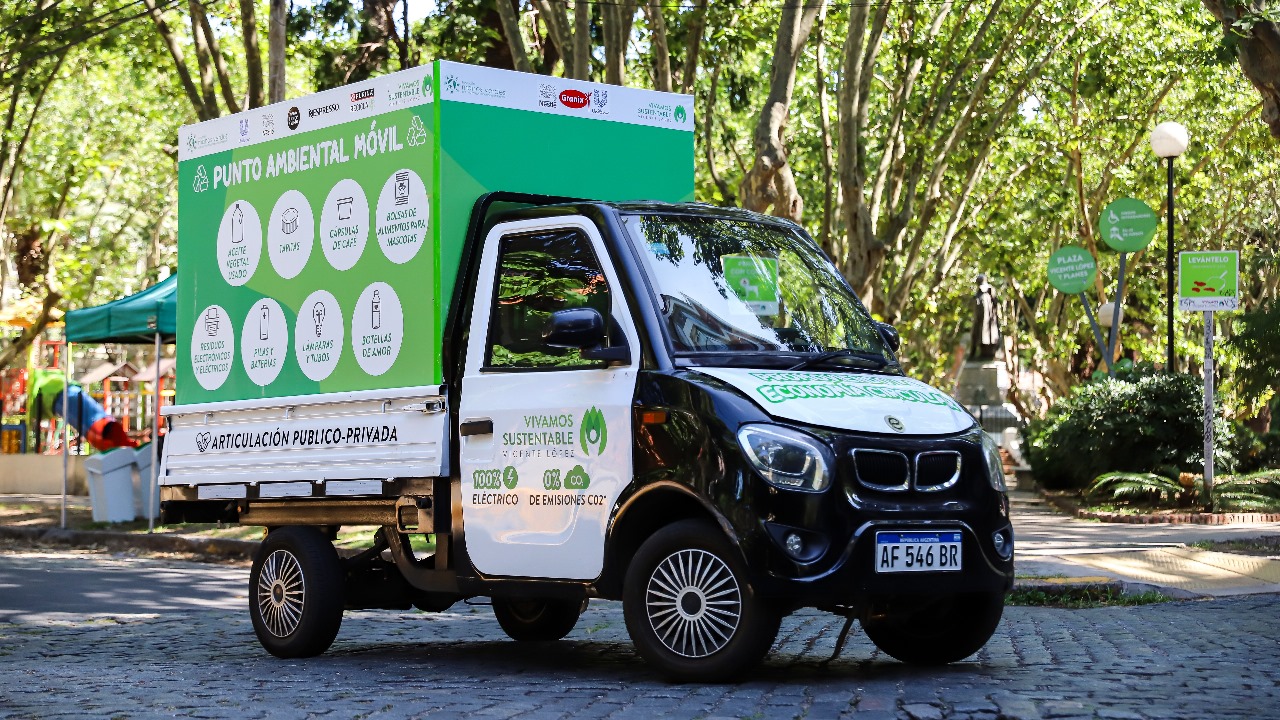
x: 377, y: 328
x: 318, y: 334
x: 344, y: 224
x: 264, y: 340
x: 239, y: 242
x: 290, y: 234
x: 213, y: 343
x: 402, y: 217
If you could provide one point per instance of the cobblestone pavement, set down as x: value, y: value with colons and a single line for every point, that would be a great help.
x: 1217, y: 658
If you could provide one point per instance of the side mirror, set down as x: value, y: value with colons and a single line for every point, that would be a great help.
x: 889, y: 334
x: 583, y: 328
x: 575, y: 328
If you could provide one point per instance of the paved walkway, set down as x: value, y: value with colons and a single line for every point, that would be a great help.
x: 1051, y: 544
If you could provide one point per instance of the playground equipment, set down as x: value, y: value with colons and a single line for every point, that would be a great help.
x: 83, y: 413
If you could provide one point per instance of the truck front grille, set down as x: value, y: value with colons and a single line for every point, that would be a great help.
x: 893, y: 471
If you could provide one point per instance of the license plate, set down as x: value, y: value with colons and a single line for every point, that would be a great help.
x: 917, y: 552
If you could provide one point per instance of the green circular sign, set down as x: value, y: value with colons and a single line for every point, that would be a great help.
x: 1072, y: 269
x: 1128, y: 225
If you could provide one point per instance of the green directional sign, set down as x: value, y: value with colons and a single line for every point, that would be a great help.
x: 1072, y: 269
x: 1209, y: 280
x: 1128, y: 225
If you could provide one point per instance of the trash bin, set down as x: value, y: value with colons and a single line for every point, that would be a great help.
x: 142, y: 484
x: 110, y: 476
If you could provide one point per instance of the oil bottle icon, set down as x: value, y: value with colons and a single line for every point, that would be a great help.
x: 377, y: 309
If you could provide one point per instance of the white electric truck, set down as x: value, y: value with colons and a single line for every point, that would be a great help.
x: 626, y: 397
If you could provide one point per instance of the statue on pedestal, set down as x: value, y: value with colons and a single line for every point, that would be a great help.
x: 984, y: 338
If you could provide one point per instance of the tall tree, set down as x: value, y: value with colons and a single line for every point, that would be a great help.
x: 1252, y: 31
x: 277, y: 29
x: 770, y: 186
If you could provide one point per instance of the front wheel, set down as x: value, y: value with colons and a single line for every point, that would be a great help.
x: 690, y: 609
x: 934, y: 630
x: 537, y: 620
x: 296, y: 592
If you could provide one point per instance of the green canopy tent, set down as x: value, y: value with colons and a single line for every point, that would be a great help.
x: 134, y: 319
x: 150, y: 316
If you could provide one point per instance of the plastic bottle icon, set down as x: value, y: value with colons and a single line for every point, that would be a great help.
x: 317, y: 314
x: 377, y: 309
x: 237, y: 225
x: 263, y: 322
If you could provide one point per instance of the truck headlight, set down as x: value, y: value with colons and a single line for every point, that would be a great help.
x: 786, y: 458
x: 995, y: 467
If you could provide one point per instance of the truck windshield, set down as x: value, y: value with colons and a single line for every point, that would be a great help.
x: 741, y: 287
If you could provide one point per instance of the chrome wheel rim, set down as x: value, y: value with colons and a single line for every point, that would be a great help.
x: 281, y: 593
x: 694, y: 603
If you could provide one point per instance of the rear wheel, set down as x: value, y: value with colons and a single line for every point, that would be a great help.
x: 690, y: 609
x: 296, y: 592
x: 934, y: 630
x: 537, y: 620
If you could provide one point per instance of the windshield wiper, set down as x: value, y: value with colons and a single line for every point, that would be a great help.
x: 878, y: 360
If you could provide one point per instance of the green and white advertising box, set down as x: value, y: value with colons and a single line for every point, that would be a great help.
x: 319, y: 238
x: 1209, y: 281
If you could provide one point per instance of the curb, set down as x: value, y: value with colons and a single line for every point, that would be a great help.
x: 1116, y: 587
x: 1071, y: 506
x: 210, y: 548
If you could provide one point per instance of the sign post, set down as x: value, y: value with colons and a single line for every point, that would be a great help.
x: 1128, y: 226
x: 1208, y: 281
x: 1071, y: 270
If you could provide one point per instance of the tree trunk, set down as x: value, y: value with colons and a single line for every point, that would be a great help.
x: 252, y: 55
x: 219, y: 63
x: 769, y: 184
x: 1258, y: 50
x: 179, y: 62
x: 581, y: 42
x: 866, y: 252
x: 204, y: 60
x: 618, y: 18
x: 825, y: 235
x: 275, y: 49
x: 511, y: 29
x: 693, y: 46
x: 661, y: 54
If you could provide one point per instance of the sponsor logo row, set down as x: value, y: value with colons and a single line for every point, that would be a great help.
x: 266, y: 123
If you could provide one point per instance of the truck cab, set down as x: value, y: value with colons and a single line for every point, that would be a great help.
x: 679, y: 406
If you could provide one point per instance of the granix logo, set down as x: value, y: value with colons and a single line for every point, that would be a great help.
x: 574, y: 99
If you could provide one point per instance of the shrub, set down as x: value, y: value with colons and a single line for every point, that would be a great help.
x: 1256, y: 492
x: 1151, y: 424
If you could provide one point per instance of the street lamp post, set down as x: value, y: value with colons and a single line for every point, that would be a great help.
x: 1169, y: 140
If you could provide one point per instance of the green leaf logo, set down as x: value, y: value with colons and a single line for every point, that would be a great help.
x: 577, y: 479
x: 510, y: 477
x: 592, y: 432
x: 680, y: 113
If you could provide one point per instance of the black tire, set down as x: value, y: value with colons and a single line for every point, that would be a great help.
x: 690, y: 609
x: 533, y: 620
x: 934, y: 630
x: 296, y: 592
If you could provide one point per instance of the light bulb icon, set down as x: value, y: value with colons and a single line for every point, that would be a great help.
x: 317, y: 314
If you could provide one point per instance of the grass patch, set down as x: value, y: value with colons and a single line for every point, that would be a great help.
x: 1259, y: 547
x: 1081, y: 597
